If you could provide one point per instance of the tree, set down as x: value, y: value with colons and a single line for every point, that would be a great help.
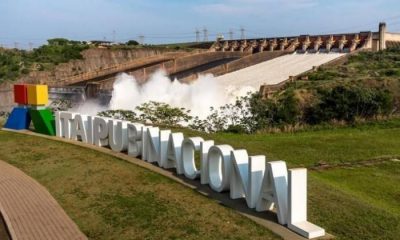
x: 132, y: 43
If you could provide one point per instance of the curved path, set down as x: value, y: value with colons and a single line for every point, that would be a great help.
x: 30, y: 212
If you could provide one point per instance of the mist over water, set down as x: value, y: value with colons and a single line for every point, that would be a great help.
x: 197, y: 97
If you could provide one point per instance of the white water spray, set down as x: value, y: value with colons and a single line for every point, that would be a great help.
x: 197, y: 97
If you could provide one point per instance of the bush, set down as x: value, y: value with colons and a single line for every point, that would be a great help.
x: 125, y: 115
x: 162, y: 114
x: 249, y: 114
x: 347, y: 103
x: 132, y: 43
x: 151, y: 112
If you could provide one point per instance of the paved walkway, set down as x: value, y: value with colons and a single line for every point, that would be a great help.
x: 29, y: 210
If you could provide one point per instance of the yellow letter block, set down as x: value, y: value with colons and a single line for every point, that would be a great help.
x: 38, y: 95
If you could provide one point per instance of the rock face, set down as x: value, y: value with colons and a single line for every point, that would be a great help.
x: 6, y: 97
x: 93, y: 59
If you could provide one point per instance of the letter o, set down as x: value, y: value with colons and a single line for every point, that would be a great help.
x: 189, y: 146
x: 219, y: 167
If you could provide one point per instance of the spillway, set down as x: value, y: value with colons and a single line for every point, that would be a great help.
x: 276, y: 70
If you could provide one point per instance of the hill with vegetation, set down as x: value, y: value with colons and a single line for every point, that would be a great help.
x: 366, y: 86
x: 16, y: 62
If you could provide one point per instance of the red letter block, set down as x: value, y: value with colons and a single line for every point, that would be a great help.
x: 20, y: 94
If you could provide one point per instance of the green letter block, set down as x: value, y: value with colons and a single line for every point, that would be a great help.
x: 43, y: 121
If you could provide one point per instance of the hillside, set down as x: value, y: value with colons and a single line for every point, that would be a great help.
x: 365, y: 87
x: 373, y: 70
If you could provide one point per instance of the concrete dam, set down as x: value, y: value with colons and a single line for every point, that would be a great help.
x: 256, y: 62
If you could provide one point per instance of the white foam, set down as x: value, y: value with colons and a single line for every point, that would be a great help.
x: 207, y: 91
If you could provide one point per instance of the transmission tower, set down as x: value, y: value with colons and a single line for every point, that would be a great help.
x: 197, y: 35
x: 113, y: 33
x: 16, y: 45
x: 205, y: 33
x: 141, y: 39
x: 242, y: 30
x: 30, y: 46
x: 230, y: 34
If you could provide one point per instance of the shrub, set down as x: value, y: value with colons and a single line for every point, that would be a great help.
x: 347, y: 103
x: 125, y: 115
x: 151, y: 112
x: 132, y: 43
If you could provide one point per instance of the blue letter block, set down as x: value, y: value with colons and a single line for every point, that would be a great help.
x: 19, y: 119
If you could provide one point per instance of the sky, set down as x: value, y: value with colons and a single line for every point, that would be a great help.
x: 165, y: 21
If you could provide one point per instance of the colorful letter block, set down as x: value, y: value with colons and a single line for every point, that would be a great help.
x: 19, y: 119
x: 20, y: 94
x: 38, y: 95
x: 21, y: 116
x: 43, y: 121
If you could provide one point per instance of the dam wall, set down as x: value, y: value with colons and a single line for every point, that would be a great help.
x: 236, y: 65
x: 173, y: 67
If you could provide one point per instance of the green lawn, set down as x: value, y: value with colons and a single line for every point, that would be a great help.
x: 352, y: 202
x: 112, y: 199
x: 357, y: 203
x: 308, y: 148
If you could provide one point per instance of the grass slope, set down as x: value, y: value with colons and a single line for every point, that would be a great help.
x: 357, y: 200
x: 309, y: 148
x: 354, y: 202
x: 112, y: 199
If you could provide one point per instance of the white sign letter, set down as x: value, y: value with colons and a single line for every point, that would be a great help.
x: 219, y: 167
x: 274, y: 190
x: 189, y: 146
x: 298, y: 205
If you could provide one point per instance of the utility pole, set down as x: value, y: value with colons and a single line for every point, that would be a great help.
x: 141, y: 39
x: 242, y: 30
x: 197, y: 35
x: 230, y: 34
x: 205, y: 33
